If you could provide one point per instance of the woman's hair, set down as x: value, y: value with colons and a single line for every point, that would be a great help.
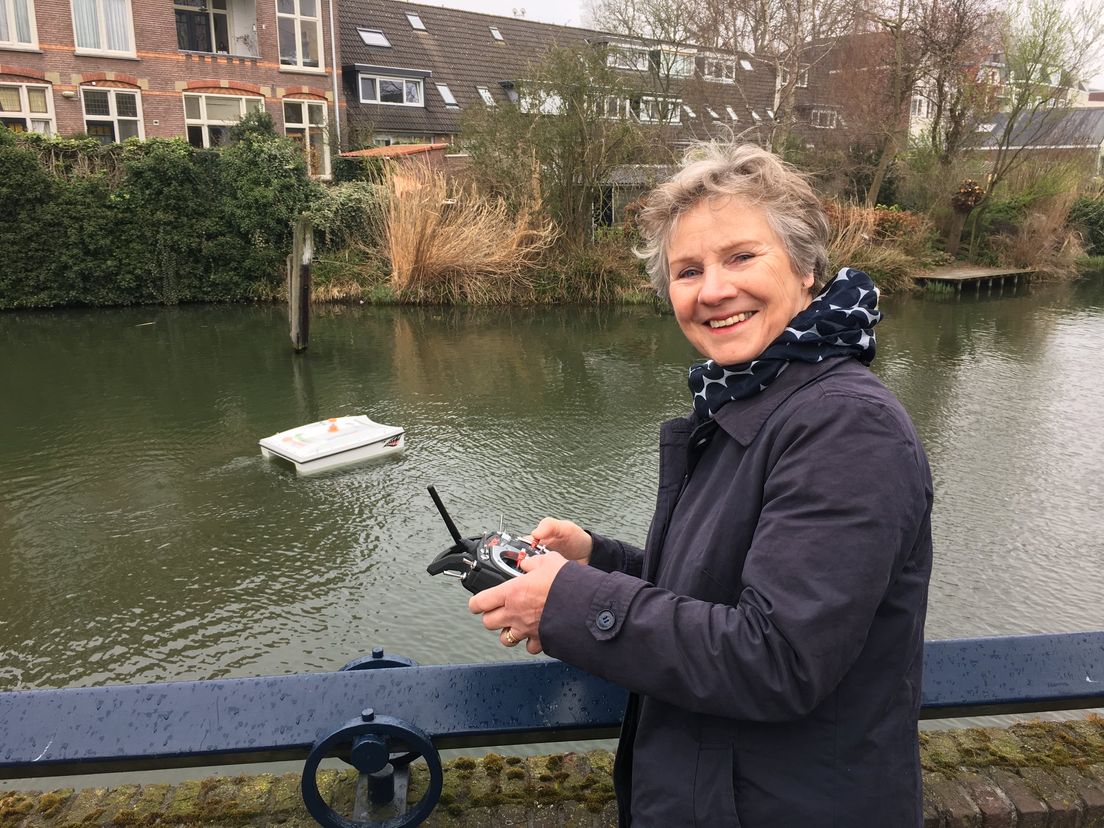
x: 752, y: 175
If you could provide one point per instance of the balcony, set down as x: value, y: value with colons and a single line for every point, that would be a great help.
x: 217, y: 27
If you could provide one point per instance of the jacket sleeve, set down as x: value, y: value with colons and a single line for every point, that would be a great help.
x: 843, y: 503
x: 611, y: 555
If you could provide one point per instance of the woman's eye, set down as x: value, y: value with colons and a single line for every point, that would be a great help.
x: 687, y: 272
x: 740, y: 258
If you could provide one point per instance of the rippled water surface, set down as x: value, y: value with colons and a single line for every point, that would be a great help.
x: 143, y: 538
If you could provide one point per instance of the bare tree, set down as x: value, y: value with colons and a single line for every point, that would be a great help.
x: 1047, y: 50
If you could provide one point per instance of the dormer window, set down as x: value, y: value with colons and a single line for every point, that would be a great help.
x: 496, y: 34
x: 415, y: 21
x: 374, y: 37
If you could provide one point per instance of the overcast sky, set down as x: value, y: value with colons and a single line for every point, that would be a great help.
x: 564, y: 12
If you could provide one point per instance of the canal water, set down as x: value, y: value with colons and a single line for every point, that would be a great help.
x: 143, y: 538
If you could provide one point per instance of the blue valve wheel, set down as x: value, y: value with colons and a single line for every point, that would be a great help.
x: 387, y: 730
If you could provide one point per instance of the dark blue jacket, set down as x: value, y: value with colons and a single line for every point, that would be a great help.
x: 771, y: 632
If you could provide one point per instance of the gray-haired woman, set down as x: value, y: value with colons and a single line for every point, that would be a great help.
x: 771, y: 630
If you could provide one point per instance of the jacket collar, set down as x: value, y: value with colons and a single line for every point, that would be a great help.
x: 742, y: 419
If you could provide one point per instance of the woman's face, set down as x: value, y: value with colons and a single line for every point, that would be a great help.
x: 732, y: 287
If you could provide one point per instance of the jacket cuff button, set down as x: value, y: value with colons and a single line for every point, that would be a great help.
x: 605, y: 620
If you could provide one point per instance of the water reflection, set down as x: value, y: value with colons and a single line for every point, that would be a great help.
x: 145, y: 539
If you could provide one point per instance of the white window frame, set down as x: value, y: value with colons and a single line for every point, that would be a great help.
x: 374, y: 37
x: 745, y: 64
x: 496, y: 34
x: 689, y: 111
x: 674, y: 110
x: 29, y: 118
x: 101, y: 32
x: 675, y: 64
x: 620, y: 109
x: 396, y: 79
x: 7, y: 13
x: 309, y: 129
x: 726, y: 65
x: 114, y: 117
x: 755, y: 116
x: 630, y: 58
x: 447, y: 96
x: 713, y: 113
x: 205, y: 122
x: 415, y: 21
x: 485, y: 95
x: 301, y: 20
x: 731, y: 113
x: 802, y: 76
x: 822, y: 118
x: 210, y: 13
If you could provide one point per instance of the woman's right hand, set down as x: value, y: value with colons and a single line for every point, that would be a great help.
x: 565, y: 537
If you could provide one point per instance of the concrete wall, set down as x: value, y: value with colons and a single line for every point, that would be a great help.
x: 1044, y: 774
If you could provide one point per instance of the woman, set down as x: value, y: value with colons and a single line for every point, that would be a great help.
x: 771, y: 630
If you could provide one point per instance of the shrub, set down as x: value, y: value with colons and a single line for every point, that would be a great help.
x: 143, y: 222
x: 1087, y: 217
x: 886, y: 243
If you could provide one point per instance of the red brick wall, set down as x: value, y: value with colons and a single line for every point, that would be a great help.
x: 161, y: 71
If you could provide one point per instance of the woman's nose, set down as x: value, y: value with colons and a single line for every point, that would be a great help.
x: 717, y: 285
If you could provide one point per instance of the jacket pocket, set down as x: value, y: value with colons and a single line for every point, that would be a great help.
x: 714, y: 797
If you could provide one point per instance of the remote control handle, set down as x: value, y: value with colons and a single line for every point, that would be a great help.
x: 445, y: 515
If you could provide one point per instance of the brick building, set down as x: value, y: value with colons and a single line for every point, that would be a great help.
x: 159, y: 68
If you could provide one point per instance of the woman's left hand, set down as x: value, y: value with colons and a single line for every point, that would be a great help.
x: 516, y: 606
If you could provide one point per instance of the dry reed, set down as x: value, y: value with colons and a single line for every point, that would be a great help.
x: 1043, y: 242
x: 455, y: 245
x: 877, y: 242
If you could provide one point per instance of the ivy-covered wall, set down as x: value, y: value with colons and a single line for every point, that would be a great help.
x: 147, y: 222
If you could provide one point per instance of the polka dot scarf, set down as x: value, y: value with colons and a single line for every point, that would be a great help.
x: 839, y: 322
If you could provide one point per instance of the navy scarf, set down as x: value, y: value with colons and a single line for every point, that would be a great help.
x: 839, y: 322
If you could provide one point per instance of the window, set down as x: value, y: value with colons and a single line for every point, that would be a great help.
x: 485, y: 94
x: 719, y: 69
x: 208, y: 118
x: 745, y: 64
x: 415, y: 21
x: 17, y: 24
x: 659, y: 110
x: 374, y: 37
x: 103, y: 26
x: 496, y: 34
x: 674, y: 64
x: 305, y: 122
x: 299, y: 31
x: 770, y: 113
x: 614, y: 107
x: 713, y: 113
x: 689, y: 112
x: 396, y: 91
x: 823, y: 118
x: 111, y: 115
x: 755, y: 116
x: 447, y: 96
x: 731, y: 113
x: 802, y: 76
x: 27, y: 108
x: 628, y: 57
x: 542, y: 101
x: 201, y: 27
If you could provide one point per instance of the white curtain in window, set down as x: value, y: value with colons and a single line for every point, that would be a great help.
x: 22, y: 22
x: 117, y: 18
x: 9, y: 99
x: 5, y: 35
x: 86, y: 24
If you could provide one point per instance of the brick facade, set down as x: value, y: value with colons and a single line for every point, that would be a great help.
x: 161, y: 71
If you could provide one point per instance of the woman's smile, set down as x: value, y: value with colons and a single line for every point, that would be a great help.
x: 728, y: 322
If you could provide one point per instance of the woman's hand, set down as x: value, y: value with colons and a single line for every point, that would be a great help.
x: 567, y: 538
x: 516, y: 606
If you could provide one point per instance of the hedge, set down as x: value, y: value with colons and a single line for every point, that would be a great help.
x: 154, y: 221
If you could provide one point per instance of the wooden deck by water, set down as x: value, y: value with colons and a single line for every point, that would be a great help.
x: 959, y: 276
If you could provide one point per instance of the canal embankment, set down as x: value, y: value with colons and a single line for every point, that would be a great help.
x: 1029, y: 774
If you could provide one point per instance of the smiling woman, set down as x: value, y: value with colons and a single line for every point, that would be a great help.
x: 771, y: 631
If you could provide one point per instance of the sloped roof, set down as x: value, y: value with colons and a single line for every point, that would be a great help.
x: 1057, y: 128
x: 458, y: 49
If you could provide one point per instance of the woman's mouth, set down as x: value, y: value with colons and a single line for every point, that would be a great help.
x: 735, y: 319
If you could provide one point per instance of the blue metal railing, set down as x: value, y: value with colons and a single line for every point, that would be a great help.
x: 417, y: 711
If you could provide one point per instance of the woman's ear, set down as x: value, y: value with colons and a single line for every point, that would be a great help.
x: 809, y: 280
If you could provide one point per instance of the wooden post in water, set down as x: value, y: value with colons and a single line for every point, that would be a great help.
x: 299, y: 283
